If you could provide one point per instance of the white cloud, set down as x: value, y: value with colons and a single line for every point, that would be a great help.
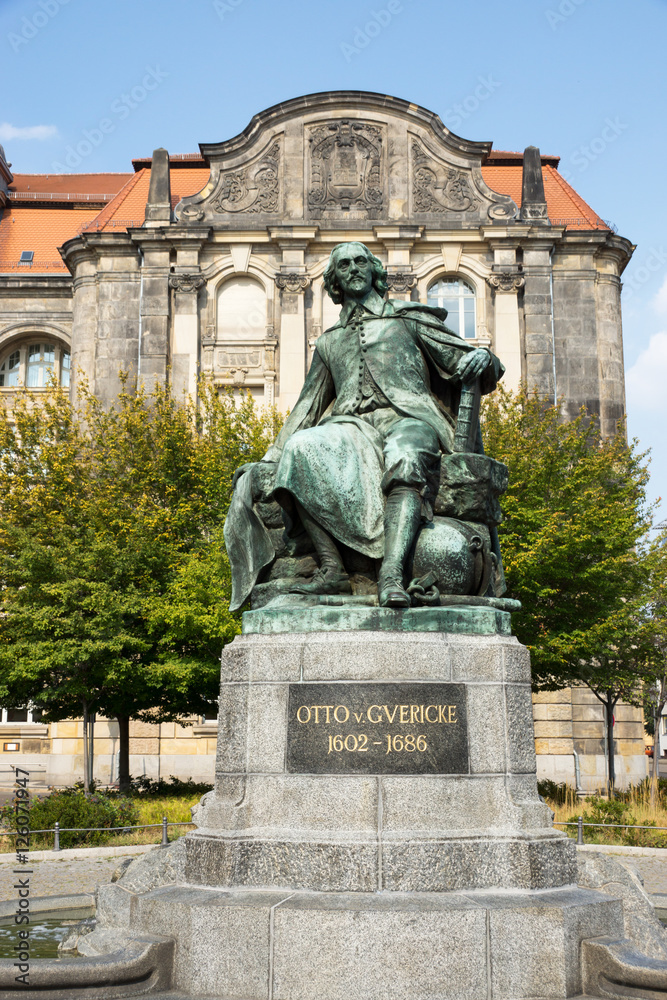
x: 8, y: 132
x: 646, y: 381
x: 659, y: 302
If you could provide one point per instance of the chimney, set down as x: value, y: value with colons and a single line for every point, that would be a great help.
x: 533, y: 202
x: 158, y: 206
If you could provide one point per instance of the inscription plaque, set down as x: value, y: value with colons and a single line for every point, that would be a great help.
x: 377, y: 729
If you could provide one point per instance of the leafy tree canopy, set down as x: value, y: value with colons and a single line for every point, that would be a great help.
x: 573, y: 541
x: 115, y: 581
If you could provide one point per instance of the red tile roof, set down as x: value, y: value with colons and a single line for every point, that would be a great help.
x: 36, y: 217
x: 41, y: 230
x: 564, y: 205
x: 129, y: 206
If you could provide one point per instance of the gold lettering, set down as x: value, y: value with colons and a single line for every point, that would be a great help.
x: 316, y: 710
x: 386, y: 709
x: 370, y: 717
x: 300, y: 710
x: 442, y: 713
x: 428, y: 709
x: 452, y: 713
x: 414, y: 713
x: 347, y: 714
x: 421, y: 714
x: 403, y: 717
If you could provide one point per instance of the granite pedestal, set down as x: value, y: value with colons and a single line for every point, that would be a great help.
x: 375, y: 830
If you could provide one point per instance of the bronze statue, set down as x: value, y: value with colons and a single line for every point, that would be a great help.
x: 357, y: 464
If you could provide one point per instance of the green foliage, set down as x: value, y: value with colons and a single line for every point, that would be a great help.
x: 145, y: 787
x: 556, y: 792
x: 573, y: 542
x: 612, y: 813
x: 115, y: 583
x: 72, y: 807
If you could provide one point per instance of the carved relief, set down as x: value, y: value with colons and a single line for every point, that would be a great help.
x: 187, y: 282
x: 192, y: 213
x: 292, y: 282
x: 436, y: 187
x: 401, y: 282
x: 346, y: 165
x: 503, y: 211
x: 506, y: 281
x: 537, y: 212
x: 238, y: 358
x: 255, y: 188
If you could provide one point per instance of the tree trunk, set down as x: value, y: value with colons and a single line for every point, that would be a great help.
x: 86, y: 757
x: 609, y: 706
x: 657, y: 711
x: 91, y: 750
x: 123, y: 752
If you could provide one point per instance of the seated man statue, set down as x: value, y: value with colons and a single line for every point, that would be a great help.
x: 357, y: 461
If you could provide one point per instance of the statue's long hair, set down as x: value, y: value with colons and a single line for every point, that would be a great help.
x: 331, y: 284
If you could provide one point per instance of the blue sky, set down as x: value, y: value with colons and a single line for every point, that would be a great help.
x: 584, y: 79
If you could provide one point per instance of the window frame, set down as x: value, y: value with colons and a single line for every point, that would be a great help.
x: 462, y: 298
x: 23, y: 346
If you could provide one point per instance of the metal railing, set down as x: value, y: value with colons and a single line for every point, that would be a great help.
x: 58, y: 196
x: 96, y: 227
x: 57, y: 830
x: 605, y: 826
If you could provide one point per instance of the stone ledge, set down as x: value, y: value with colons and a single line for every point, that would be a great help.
x: 463, y: 620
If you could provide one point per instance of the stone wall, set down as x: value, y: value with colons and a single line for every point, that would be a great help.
x: 572, y: 720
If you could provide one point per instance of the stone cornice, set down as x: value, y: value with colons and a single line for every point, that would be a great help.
x: 340, y: 102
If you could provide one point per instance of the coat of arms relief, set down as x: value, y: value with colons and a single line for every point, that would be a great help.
x: 346, y: 168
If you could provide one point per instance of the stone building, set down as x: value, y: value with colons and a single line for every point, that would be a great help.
x: 210, y: 265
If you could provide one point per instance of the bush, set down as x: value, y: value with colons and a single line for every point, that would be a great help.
x: 556, y: 793
x: 611, y: 812
x: 171, y: 788
x: 73, y: 807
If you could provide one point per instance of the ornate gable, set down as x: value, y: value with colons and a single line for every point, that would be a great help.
x: 341, y: 157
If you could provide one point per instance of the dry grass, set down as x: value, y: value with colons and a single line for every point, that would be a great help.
x: 150, y: 809
x: 632, y: 807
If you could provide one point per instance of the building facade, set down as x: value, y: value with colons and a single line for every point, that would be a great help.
x: 209, y: 265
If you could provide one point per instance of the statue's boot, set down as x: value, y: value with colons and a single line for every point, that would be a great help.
x: 402, y: 518
x: 330, y: 577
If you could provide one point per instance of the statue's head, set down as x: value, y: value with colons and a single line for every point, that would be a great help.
x: 342, y: 260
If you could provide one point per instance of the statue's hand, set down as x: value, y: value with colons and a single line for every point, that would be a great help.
x: 472, y: 365
x: 242, y: 469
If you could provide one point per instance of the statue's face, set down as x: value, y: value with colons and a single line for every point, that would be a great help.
x: 353, y: 271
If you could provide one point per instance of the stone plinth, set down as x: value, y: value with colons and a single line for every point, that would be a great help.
x: 479, y: 826
x: 377, y: 946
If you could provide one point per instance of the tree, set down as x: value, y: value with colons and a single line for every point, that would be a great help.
x: 115, y: 582
x: 656, y: 690
x: 574, y: 547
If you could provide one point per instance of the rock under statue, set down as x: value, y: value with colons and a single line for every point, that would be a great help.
x: 379, y: 471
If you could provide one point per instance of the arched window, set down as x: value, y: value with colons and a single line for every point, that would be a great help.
x: 41, y: 359
x: 10, y: 370
x: 32, y: 364
x: 458, y: 298
x: 241, y: 310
